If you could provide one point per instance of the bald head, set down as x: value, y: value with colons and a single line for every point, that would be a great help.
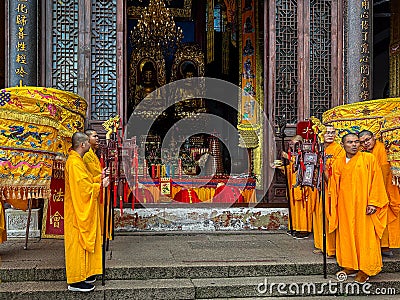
x: 330, y: 134
x: 77, y: 139
x: 93, y: 138
x: 351, y: 144
x: 367, y: 140
x: 364, y: 133
x: 89, y: 132
x: 348, y: 135
x: 329, y: 127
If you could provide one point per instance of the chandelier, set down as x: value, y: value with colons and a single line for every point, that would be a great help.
x: 156, y: 28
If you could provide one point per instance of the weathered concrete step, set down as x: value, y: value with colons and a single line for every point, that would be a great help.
x: 344, y: 297
x: 124, y: 289
x: 387, y: 285
x: 227, y: 269
x: 291, y: 286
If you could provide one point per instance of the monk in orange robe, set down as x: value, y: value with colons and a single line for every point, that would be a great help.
x: 333, y: 151
x: 82, y: 234
x: 358, y: 210
x: 391, y: 235
x: 302, y: 200
x: 93, y: 165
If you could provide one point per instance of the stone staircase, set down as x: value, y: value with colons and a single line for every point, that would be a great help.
x: 26, y: 276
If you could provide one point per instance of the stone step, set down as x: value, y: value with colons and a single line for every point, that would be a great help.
x: 386, y: 285
x: 24, y: 272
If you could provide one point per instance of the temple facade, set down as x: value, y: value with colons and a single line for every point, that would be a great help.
x: 292, y: 59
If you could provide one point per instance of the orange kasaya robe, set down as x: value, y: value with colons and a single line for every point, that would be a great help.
x: 82, y: 234
x: 302, y: 202
x: 336, y: 151
x: 391, y: 235
x: 93, y: 165
x: 352, y: 187
x: 3, y: 232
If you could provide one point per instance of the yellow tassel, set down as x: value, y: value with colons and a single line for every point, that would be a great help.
x: 13, y: 193
x: 19, y: 194
x: 24, y: 196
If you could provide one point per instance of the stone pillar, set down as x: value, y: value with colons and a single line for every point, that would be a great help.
x: 358, y: 32
x: 22, y: 41
x: 394, y: 56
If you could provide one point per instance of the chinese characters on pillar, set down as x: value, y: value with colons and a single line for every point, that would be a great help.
x: 365, y: 51
x: 20, y: 21
x: 23, y: 42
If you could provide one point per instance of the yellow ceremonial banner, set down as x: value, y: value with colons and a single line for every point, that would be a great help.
x: 62, y: 110
x: 18, y: 134
x: 358, y: 116
x: 36, y: 126
x: 390, y: 134
x: 382, y: 117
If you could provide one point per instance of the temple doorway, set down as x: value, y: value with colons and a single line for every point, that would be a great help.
x: 208, y: 47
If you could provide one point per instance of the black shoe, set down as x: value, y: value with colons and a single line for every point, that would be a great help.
x: 81, y: 287
x: 91, y: 279
x: 387, y: 253
x: 291, y: 233
x: 301, y: 235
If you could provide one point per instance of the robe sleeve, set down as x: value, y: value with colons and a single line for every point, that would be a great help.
x: 93, y: 165
x: 392, y: 192
x: 84, y: 194
x: 377, y: 196
x: 333, y: 194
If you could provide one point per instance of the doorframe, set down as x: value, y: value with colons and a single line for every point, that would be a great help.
x: 121, y: 61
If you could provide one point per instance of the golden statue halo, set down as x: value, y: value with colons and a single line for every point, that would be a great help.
x: 144, y: 61
x: 185, y: 63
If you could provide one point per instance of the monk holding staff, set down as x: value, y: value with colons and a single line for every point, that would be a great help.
x: 333, y: 151
x: 82, y: 233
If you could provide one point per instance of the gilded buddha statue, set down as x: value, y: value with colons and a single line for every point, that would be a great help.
x: 189, y: 92
x: 148, y: 82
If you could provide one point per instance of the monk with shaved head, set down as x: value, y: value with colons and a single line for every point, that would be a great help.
x: 358, y: 210
x: 391, y: 235
x: 82, y: 235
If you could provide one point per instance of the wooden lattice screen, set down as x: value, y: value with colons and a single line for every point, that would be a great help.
x: 82, y: 50
x: 303, y: 58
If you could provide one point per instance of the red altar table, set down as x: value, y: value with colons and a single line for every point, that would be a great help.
x: 190, y: 190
